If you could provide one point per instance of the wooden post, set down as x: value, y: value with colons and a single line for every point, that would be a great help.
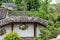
x: 35, y: 27
x: 12, y: 25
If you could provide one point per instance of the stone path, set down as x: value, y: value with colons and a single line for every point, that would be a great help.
x: 28, y: 38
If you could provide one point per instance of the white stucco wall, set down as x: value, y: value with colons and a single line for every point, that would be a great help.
x: 38, y: 30
x: 8, y: 29
x: 25, y: 33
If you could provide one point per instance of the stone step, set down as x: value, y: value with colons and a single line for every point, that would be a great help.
x: 28, y: 38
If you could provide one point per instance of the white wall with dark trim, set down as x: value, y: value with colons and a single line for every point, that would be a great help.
x: 29, y: 32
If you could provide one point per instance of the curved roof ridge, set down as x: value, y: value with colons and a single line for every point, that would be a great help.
x: 13, y: 19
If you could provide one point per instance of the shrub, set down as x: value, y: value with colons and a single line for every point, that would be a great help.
x: 37, y: 14
x: 12, y: 36
x: 50, y: 31
x: 57, y: 24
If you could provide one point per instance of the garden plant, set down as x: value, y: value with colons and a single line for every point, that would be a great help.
x: 12, y: 36
x: 41, y: 9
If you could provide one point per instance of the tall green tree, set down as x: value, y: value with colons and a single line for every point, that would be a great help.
x: 18, y: 3
x: 44, y: 4
x: 32, y: 4
x: 44, y: 8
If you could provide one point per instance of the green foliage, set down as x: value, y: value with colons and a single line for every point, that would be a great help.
x: 32, y: 4
x: 44, y: 32
x: 57, y: 24
x: 55, y: 8
x: 52, y: 8
x: 12, y: 36
x: 49, y: 32
x: 58, y: 19
x: 53, y: 16
x: 52, y: 28
x: 18, y: 3
x: 33, y: 14
x: 23, y: 27
x: 58, y: 8
x: 38, y: 14
x: 44, y: 5
x: 43, y: 10
x: 29, y: 4
x: 0, y: 2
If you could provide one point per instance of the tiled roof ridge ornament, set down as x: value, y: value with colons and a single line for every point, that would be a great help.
x: 13, y: 19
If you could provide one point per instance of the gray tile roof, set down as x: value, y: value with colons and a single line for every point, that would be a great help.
x: 3, y: 13
x: 9, y: 4
x: 22, y: 19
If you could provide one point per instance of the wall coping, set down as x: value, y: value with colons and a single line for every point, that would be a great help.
x: 13, y: 19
